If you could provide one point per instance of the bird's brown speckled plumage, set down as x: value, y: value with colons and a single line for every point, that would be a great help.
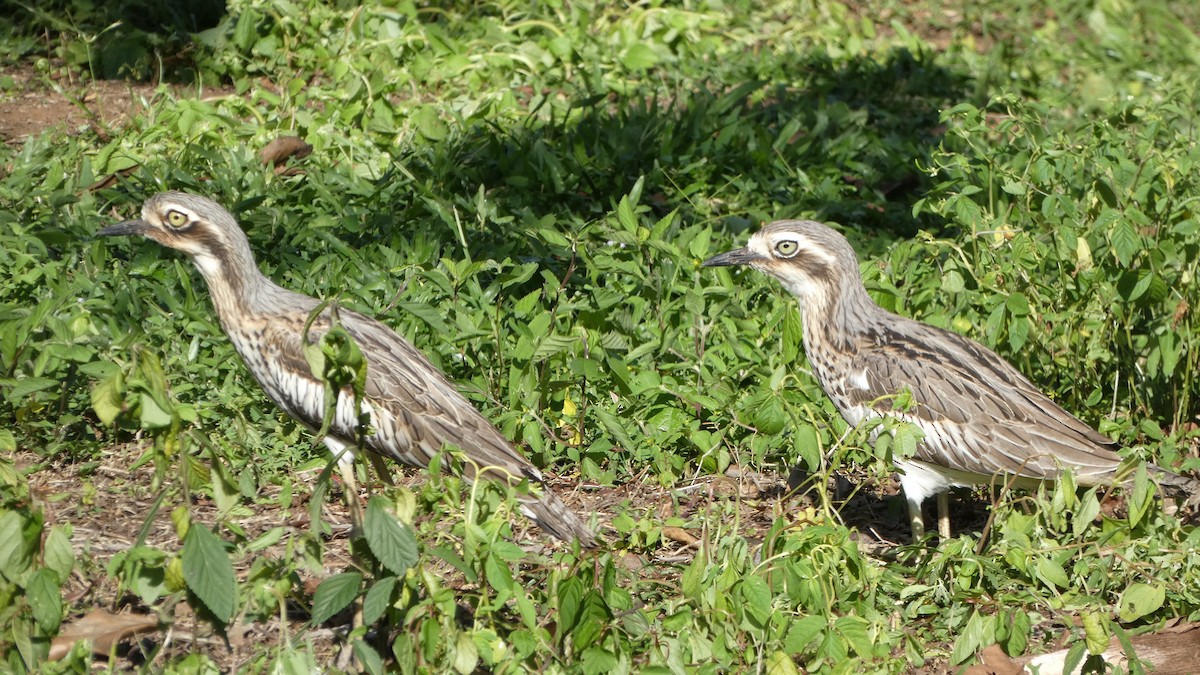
x: 980, y: 416
x: 414, y: 409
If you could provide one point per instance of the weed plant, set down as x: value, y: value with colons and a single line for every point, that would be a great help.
x: 526, y: 191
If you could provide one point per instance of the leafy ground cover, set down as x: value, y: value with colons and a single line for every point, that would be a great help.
x: 526, y: 192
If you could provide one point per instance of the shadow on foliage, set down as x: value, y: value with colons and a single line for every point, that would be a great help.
x: 844, y: 146
x: 141, y: 39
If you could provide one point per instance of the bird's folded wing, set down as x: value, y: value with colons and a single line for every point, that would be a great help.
x: 415, y: 410
x: 977, y: 412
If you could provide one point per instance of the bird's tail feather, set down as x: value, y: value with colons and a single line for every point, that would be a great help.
x: 1176, y: 485
x: 555, y: 517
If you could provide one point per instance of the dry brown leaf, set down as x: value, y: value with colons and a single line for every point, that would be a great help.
x: 993, y: 661
x: 1173, y: 651
x: 283, y: 148
x: 680, y: 535
x: 112, y: 178
x: 103, y: 628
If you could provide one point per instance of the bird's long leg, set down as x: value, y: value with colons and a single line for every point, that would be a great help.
x: 916, y: 519
x: 353, y: 501
x: 381, y: 469
x: 943, y: 507
x: 344, y: 456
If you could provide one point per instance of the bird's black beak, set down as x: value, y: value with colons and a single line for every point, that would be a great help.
x: 125, y: 228
x: 741, y: 256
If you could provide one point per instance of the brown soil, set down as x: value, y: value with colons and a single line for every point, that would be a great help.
x: 38, y: 103
x: 107, y: 505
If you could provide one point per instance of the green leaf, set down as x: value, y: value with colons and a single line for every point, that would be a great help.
x: 639, y: 56
x: 570, y: 595
x: 793, y: 335
x: 29, y: 385
x: 369, y: 658
x: 1018, y: 633
x: 1125, y: 241
x: 107, y: 398
x: 598, y: 661
x: 391, y: 543
x: 757, y: 597
x: 152, y: 415
x: 18, y: 538
x: 1143, y: 495
x: 466, y: 654
x: 58, y: 553
x: 333, y: 595
x: 1052, y: 573
x: 1095, y: 632
x: 1140, y: 600
x: 45, y: 599
x: 779, y: 663
x: 378, y: 599
x: 802, y: 631
x: 208, y: 572
x: 970, y: 640
x: 770, y: 418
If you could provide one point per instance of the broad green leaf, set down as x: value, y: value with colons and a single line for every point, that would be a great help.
x: 18, y: 538
x: 570, y: 595
x: 466, y: 654
x: 45, y: 598
x: 1143, y: 494
x: 334, y: 594
x: 793, y: 335
x: 802, y: 631
x: 598, y: 661
x: 378, y: 599
x: 1052, y: 573
x: 1140, y: 600
x: 1125, y: 241
x: 152, y: 415
x: 391, y: 543
x: 1018, y: 633
x: 779, y: 663
x: 757, y: 597
x: 58, y: 553
x: 107, y: 398
x: 29, y: 385
x: 639, y: 56
x: 208, y: 572
x: 369, y: 658
x: 1095, y: 632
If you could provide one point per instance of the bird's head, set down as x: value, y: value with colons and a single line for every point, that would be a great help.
x: 197, y: 226
x: 810, y: 259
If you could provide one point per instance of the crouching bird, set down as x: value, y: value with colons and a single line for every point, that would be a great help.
x: 980, y: 417
x: 413, y: 409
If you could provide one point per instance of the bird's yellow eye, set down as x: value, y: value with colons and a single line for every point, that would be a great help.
x: 787, y: 248
x: 177, y: 218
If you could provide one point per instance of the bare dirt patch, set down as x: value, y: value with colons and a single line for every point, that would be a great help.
x: 109, y: 506
x: 38, y: 103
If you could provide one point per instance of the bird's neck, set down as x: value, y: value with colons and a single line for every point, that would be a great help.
x: 234, y: 282
x: 836, y: 320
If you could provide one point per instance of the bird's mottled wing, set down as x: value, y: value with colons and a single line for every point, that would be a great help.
x: 978, y: 413
x: 425, y: 408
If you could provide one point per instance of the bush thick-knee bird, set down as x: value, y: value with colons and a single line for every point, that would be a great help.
x: 981, y: 418
x: 414, y: 410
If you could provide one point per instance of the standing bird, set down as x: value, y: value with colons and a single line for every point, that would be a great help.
x: 414, y: 410
x: 981, y: 418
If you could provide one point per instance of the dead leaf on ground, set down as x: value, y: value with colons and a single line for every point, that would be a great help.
x: 103, y: 628
x: 112, y: 178
x: 1173, y: 651
x: 993, y: 661
x: 283, y: 148
x: 680, y: 535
